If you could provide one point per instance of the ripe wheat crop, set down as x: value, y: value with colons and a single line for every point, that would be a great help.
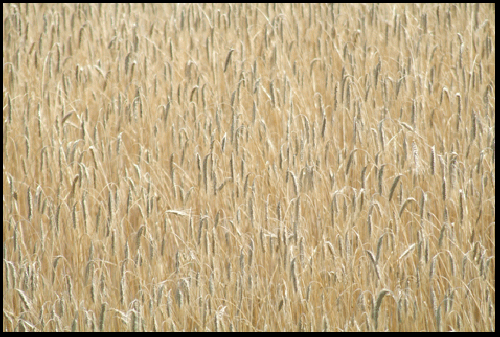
x: 242, y: 167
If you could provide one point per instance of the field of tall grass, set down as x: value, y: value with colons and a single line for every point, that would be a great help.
x: 248, y: 167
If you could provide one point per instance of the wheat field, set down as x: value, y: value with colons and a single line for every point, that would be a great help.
x: 231, y: 167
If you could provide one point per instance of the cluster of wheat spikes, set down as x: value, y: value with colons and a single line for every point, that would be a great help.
x: 248, y: 167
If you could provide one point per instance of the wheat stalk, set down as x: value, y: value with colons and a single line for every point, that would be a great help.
x: 378, y: 303
x: 394, y: 184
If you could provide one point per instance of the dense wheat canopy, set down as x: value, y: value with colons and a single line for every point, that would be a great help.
x: 242, y: 167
